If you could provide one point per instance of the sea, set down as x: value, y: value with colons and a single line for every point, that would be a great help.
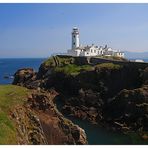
x: 8, y: 67
x: 95, y: 135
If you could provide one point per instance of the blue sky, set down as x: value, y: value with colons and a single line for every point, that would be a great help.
x: 38, y: 30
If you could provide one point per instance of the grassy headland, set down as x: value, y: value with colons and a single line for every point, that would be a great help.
x: 10, y: 96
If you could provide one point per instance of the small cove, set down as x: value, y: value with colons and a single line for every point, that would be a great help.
x: 97, y: 135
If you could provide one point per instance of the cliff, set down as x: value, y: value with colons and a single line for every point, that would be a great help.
x: 30, y: 117
x: 111, y: 93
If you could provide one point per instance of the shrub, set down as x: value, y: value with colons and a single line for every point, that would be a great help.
x: 72, y: 69
x: 108, y: 66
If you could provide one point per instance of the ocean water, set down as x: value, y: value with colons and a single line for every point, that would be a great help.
x: 97, y: 135
x: 9, y: 66
x: 145, y: 60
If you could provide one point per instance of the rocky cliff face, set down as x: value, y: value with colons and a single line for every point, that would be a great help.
x: 38, y: 121
x: 113, y: 95
x: 47, y: 125
x: 128, y: 110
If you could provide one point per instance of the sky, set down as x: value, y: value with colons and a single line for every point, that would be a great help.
x: 39, y: 30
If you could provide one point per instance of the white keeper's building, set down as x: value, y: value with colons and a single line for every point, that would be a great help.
x: 92, y: 50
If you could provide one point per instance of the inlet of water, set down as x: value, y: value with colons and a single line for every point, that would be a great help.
x: 97, y: 135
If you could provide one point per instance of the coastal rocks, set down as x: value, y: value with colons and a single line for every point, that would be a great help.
x: 90, y: 98
x: 27, y: 77
x: 87, y: 105
x: 54, y: 61
x: 81, y: 112
x: 129, y: 107
x: 78, y: 134
x: 59, y: 79
x: 112, y: 95
x: 29, y: 130
x: 37, y: 121
x: 43, y: 70
x: 102, y: 83
x: 23, y: 76
x: 94, y: 88
x: 144, y: 75
x: 40, y: 101
x: 56, y: 128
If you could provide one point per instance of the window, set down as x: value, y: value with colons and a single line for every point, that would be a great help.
x: 74, y: 36
x: 74, y: 43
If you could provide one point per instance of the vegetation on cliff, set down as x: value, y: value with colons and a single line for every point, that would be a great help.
x: 10, y: 96
x: 72, y: 69
x: 58, y: 61
x: 108, y: 66
x: 30, y: 117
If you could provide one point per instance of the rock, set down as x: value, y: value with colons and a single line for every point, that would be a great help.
x: 144, y: 75
x: 129, y: 107
x: 67, y: 110
x: 23, y: 75
x: 40, y: 101
x: 28, y: 126
x: 79, y: 135
x: 108, y: 93
x: 57, y: 129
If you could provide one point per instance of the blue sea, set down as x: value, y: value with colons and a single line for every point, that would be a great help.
x: 145, y: 60
x: 9, y: 66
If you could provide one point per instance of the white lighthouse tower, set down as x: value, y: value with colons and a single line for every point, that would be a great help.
x: 75, y: 38
x: 89, y: 51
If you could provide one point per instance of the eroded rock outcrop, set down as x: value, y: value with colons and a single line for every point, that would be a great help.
x: 25, y: 75
x: 29, y: 128
x: 39, y: 122
x: 129, y: 107
x: 113, y: 95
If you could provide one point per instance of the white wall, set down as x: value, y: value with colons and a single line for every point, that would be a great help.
x: 119, y: 54
x: 73, y: 52
x: 75, y: 39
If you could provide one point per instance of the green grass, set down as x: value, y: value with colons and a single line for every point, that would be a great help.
x: 7, y: 130
x: 49, y: 62
x: 10, y: 96
x: 73, y: 69
x: 108, y: 66
x: 62, y: 61
x: 65, y: 60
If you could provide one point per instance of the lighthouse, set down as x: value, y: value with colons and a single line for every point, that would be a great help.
x: 75, y: 38
x: 89, y: 51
